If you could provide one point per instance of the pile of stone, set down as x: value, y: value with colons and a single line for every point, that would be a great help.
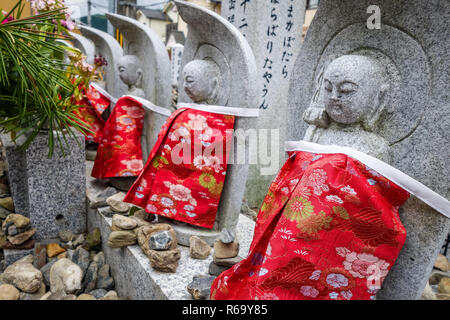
x: 226, y: 250
x: 72, y: 268
x: 438, y: 286
x: 16, y: 231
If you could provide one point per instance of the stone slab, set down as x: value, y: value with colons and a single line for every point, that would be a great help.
x: 50, y: 191
x: 134, y: 277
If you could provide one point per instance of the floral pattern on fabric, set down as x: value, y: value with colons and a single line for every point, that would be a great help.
x: 119, y: 152
x: 90, y: 112
x: 187, y: 190
x: 328, y: 230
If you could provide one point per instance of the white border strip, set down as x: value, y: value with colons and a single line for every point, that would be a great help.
x: 411, y: 185
x: 150, y: 106
x: 103, y: 92
x: 239, y: 112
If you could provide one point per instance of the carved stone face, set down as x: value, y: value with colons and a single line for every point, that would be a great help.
x: 201, y: 81
x: 130, y: 71
x: 353, y: 89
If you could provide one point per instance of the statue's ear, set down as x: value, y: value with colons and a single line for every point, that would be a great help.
x: 372, y: 119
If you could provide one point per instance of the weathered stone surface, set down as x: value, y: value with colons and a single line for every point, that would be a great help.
x: 116, y: 203
x: 65, y: 276
x: 7, y: 203
x: 444, y: 286
x: 227, y: 262
x: 198, y: 248
x: 19, y: 220
x: 98, y: 293
x: 34, y: 296
x: 200, y: 287
x: 119, y: 239
x: 227, y: 236
x: 99, y: 258
x: 104, y: 280
x: 124, y: 223
x: 81, y: 258
x: 90, y: 279
x: 226, y: 250
x: 53, y: 249
x: 93, y: 240
x: 62, y: 255
x: 99, y: 200
x: 78, y: 240
x: 9, y: 292
x: 442, y: 263
x: 24, y: 246
x: 65, y: 235
x: 85, y: 296
x: 21, y: 238
x: 23, y: 275
x: 49, y: 191
x: 161, y: 240
x: 165, y: 261
x: 46, y: 296
x: 69, y: 297
x: 13, y: 255
x: 215, y: 269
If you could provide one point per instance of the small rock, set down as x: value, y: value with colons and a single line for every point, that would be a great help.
x: 81, y: 258
x: 144, y: 233
x: 78, y: 240
x: 9, y: 292
x: 23, y: 275
x: 69, y: 297
x: 198, y: 248
x: 29, y: 244
x: 437, y: 275
x: 45, y: 270
x: 161, y: 240
x: 34, y: 296
x: 123, y: 222
x: 104, y: 280
x: 444, y: 286
x: 46, y: 296
x: 428, y: 293
x: 65, y: 276
x: 227, y: 236
x: 100, y: 198
x: 215, y: 269
x: 53, y: 249
x: 65, y: 236
x: 90, y: 279
x: 93, y: 240
x: 442, y: 263
x: 122, y: 183
x: 99, y: 258
x: 21, y: 237
x: 227, y: 262
x: 116, y: 203
x: 98, y: 293
x: 40, y: 255
x: 7, y: 203
x: 226, y: 250
x: 60, y: 295
x: 119, y: 239
x: 142, y: 214
x: 85, y: 296
x: 19, y: 220
x: 200, y: 287
x: 111, y: 295
x: 165, y: 261
x: 62, y: 255
x: 443, y: 296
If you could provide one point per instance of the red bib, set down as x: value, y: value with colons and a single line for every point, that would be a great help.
x: 187, y: 190
x: 119, y: 152
x: 328, y: 229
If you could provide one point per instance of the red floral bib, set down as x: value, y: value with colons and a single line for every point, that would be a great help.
x: 120, y: 153
x: 328, y: 229
x: 189, y: 188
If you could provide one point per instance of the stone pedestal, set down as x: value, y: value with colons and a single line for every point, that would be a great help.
x: 50, y: 191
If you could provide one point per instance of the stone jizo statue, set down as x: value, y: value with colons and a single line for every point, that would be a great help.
x: 350, y: 101
x: 130, y: 73
x: 201, y: 81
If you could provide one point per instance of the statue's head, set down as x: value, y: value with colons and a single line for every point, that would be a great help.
x: 130, y: 70
x: 354, y: 89
x: 201, y: 81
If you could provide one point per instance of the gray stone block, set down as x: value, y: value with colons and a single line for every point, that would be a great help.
x: 12, y: 256
x: 50, y: 191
